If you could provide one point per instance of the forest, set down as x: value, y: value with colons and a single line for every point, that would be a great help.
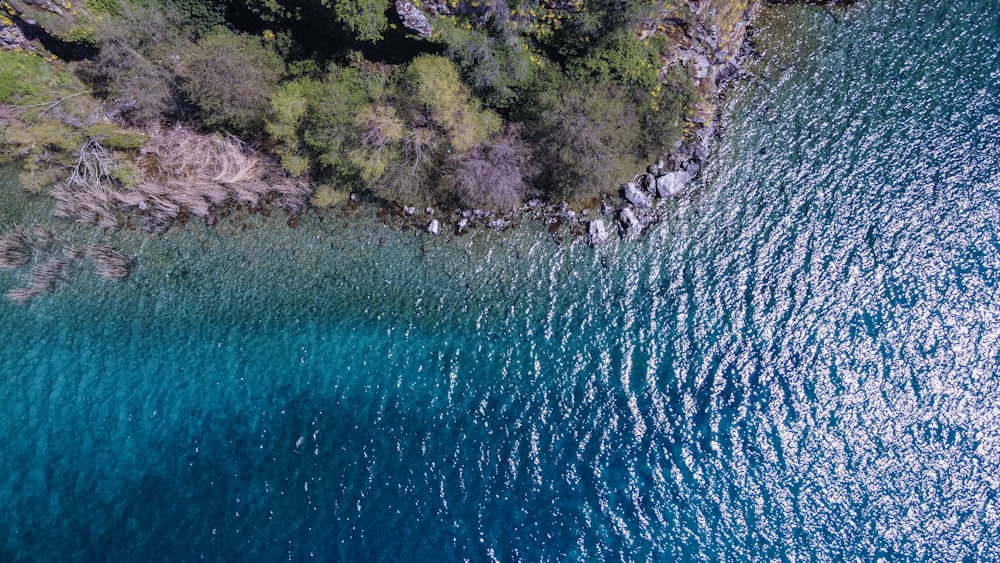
x: 172, y: 108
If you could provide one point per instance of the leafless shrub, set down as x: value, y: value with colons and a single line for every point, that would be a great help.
x: 494, y: 175
x: 108, y: 262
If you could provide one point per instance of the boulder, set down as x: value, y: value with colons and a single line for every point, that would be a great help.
x: 630, y: 222
x: 636, y: 196
x: 598, y: 233
x: 409, y: 211
x: 462, y: 224
x: 434, y: 227
x: 672, y: 183
x: 413, y: 18
x: 649, y: 182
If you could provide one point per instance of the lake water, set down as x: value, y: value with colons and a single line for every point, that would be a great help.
x: 799, y: 362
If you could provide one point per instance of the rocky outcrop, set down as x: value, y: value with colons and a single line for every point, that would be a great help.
x: 672, y: 183
x: 597, y: 233
x: 413, y: 19
x: 637, y: 197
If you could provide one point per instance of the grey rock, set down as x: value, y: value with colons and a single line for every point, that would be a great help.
x: 649, y: 182
x: 497, y: 224
x: 409, y: 211
x: 631, y: 223
x: 598, y: 232
x: 701, y: 65
x: 434, y: 227
x: 636, y: 196
x: 672, y: 183
x: 413, y: 18
x: 429, y: 210
x: 534, y: 202
x: 462, y: 224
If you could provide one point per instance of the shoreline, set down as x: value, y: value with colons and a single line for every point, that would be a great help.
x: 710, y: 50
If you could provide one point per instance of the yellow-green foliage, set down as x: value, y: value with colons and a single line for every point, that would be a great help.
x: 26, y: 78
x: 380, y: 131
x: 112, y: 136
x: 435, y: 83
x: 112, y: 7
x: 312, y: 122
x: 328, y: 196
x: 289, y: 104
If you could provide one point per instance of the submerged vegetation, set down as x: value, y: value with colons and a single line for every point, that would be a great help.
x: 172, y: 108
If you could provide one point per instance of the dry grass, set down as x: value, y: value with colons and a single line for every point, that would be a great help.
x: 182, y: 171
x: 108, y: 262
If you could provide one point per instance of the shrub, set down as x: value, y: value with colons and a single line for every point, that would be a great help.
x: 438, y: 91
x: 662, y: 114
x: 229, y: 78
x: 134, y: 65
x: 495, y: 175
x: 588, y: 136
x: 497, y: 69
x: 365, y: 19
x: 328, y: 196
x: 620, y: 56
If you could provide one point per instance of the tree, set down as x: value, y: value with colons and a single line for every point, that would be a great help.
x: 229, y: 78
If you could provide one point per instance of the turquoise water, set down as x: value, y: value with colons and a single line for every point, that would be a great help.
x: 800, y: 362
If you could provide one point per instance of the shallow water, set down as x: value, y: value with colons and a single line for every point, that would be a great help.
x: 799, y: 362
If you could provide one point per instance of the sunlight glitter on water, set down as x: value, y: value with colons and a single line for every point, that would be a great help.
x: 800, y: 362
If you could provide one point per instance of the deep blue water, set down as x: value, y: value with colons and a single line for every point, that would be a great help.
x: 800, y: 362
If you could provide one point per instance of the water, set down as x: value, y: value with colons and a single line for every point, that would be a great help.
x: 799, y: 363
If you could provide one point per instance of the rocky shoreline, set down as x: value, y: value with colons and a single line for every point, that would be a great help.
x: 711, y: 54
x: 707, y: 48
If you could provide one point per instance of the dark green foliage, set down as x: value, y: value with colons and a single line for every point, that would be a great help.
x: 361, y: 20
x: 497, y: 69
x: 662, y: 115
x: 229, y: 78
x: 620, y: 56
x: 197, y: 16
x: 587, y: 135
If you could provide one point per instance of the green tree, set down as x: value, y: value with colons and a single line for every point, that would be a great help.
x: 587, y: 134
x: 229, y: 78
